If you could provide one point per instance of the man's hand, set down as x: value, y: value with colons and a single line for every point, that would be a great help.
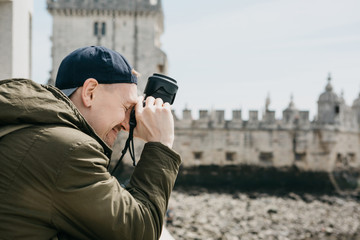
x: 155, y: 122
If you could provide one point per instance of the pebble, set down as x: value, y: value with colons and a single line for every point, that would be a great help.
x: 213, y: 216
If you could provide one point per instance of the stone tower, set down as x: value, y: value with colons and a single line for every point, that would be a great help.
x: 15, y: 38
x: 131, y: 27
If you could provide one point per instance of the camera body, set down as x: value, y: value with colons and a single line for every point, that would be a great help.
x: 161, y: 86
x: 158, y: 86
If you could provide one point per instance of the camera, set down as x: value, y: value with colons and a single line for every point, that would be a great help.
x: 161, y: 86
x: 158, y: 86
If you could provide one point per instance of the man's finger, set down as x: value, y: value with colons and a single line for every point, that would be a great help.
x: 159, y: 102
x: 166, y: 105
x: 150, y: 101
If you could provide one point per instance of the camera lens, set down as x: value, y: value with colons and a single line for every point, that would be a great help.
x: 161, y: 86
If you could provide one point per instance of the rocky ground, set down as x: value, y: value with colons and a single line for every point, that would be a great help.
x: 203, y: 215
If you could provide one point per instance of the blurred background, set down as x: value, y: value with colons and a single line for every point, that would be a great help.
x: 267, y: 114
x: 233, y: 54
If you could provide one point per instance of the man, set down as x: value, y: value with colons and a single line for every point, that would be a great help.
x: 55, y: 150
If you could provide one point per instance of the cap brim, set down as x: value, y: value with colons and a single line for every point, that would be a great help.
x: 68, y: 91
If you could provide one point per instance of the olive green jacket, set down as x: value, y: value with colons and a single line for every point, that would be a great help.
x: 54, y: 181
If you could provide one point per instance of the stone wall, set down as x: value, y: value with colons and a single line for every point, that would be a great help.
x: 268, y: 142
x: 6, y: 39
x: 307, y: 147
x: 15, y: 38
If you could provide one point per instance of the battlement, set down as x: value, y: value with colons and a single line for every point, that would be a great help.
x: 215, y: 119
x: 329, y: 142
x: 100, y: 5
x: 333, y: 113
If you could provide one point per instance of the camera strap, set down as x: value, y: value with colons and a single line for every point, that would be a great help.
x: 129, y: 143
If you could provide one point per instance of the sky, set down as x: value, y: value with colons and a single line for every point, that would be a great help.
x: 233, y: 54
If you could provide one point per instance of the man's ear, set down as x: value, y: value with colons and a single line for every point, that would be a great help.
x: 88, y: 91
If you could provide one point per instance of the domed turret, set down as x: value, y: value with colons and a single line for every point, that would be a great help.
x: 328, y: 95
x: 328, y: 105
x: 291, y: 113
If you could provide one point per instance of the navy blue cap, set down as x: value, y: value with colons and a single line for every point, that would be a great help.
x: 103, y: 64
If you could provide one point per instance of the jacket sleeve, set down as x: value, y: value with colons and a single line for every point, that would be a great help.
x: 90, y: 203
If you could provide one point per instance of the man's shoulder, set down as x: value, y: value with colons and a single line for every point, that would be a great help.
x: 51, y: 136
x: 66, y: 143
x: 67, y: 136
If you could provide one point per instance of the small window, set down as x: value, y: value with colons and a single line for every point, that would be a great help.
x: 103, y: 29
x: 338, y: 157
x: 300, y: 157
x: 99, y: 28
x: 337, y: 109
x: 230, y: 156
x: 352, y: 158
x: 198, y: 155
x: 96, y: 28
x: 266, y: 156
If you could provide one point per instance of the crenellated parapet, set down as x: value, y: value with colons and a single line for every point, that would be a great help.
x: 329, y: 142
x: 333, y: 113
x: 104, y: 6
x: 215, y: 119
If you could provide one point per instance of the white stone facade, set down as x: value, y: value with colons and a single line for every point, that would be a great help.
x: 132, y: 29
x: 15, y: 38
x: 329, y: 143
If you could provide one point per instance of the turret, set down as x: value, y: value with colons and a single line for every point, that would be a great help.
x: 291, y: 114
x: 328, y: 105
